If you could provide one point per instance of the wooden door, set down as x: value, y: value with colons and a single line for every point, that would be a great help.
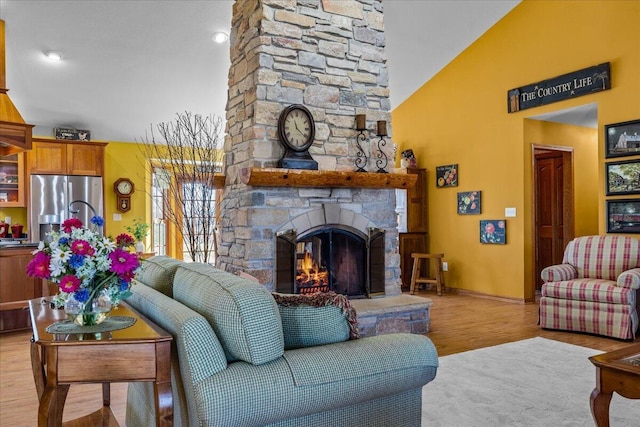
x: 553, y: 208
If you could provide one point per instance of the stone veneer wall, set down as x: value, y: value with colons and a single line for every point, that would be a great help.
x: 329, y: 56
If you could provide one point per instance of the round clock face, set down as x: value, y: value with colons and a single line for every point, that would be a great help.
x: 296, y: 128
x: 124, y: 187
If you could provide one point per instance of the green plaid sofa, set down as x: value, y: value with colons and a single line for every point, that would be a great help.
x: 596, y: 289
x: 232, y: 365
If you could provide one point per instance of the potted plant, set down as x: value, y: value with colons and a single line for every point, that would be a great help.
x: 139, y: 231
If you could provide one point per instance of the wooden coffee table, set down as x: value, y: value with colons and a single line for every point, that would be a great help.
x: 617, y: 371
x: 140, y: 352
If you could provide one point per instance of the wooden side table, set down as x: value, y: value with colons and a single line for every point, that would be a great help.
x: 140, y: 352
x: 615, y: 371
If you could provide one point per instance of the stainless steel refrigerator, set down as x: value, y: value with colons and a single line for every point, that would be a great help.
x: 55, y: 198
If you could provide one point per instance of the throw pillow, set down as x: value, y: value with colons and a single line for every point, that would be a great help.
x: 316, y: 319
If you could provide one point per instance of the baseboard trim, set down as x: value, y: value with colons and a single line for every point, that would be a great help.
x: 489, y: 296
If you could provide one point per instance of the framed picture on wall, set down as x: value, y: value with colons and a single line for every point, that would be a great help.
x: 469, y: 203
x: 493, y: 231
x: 622, y: 139
x: 623, y: 216
x: 623, y: 177
x: 447, y: 176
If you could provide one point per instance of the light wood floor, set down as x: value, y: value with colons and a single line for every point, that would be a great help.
x: 458, y: 323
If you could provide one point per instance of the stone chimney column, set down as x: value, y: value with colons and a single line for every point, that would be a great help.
x: 327, y: 55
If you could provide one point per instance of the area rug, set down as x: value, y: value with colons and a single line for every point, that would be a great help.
x: 534, y: 382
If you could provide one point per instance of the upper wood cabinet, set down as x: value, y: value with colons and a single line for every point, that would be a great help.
x: 57, y: 157
x: 12, y: 181
x: 417, y: 203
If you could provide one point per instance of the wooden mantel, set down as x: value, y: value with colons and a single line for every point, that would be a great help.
x: 276, y: 177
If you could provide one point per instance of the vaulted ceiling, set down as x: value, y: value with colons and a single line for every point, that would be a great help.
x: 129, y: 64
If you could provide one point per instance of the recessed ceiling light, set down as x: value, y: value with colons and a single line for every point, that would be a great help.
x: 53, y: 56
x: 220, y: 37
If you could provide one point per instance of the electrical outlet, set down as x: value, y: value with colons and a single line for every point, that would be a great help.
x: 445, y: 266
x: 117, y: 217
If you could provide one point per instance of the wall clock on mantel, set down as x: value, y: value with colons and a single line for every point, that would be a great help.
x: 296, y: 131
x: 123, y: 188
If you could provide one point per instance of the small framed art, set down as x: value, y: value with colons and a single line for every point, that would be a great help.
x: 622, y: 139
x: 623, y: 177
x: 623, y: 216
x: 493, y: 231
x: 447, y: 176
x: 469, y: 203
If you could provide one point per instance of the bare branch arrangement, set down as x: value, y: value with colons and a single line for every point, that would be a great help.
x: 189, y: 150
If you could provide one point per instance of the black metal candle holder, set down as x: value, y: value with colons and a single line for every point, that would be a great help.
x: 361, y: 156
x: 383, y: 160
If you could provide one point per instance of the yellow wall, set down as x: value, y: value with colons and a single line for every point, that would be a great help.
x: 459, y: 116
x: 18, y: 216
x: 124, y: 160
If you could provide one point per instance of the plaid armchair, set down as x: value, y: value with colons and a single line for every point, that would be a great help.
x: 596, y: 289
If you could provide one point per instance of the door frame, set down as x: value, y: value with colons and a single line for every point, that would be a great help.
x: 568, y: 200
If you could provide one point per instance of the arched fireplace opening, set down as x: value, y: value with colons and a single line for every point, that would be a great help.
x: 334, y: 258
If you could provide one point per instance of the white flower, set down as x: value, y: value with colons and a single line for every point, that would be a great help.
x: 58, y: 255
x: 56, y: 268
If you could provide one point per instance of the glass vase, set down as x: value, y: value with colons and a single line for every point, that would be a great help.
x: 91, y: 312
x: 139, y: 247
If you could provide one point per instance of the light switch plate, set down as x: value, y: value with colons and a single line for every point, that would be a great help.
x: 117, y: 217
x: 510, y: 212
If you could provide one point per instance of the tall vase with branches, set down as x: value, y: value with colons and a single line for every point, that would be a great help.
x: 189, y: 150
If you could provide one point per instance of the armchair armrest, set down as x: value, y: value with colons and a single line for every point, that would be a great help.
x: 558, y: 273
x: 316, y: 319
x: 630, y: 279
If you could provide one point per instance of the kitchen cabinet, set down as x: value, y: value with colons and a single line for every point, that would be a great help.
x: 413, y: 223
x: 61, y: 157
x: 16, y: 288
x: 12, y: 181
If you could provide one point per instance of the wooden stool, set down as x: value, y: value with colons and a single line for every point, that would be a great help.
x: 415, y: 274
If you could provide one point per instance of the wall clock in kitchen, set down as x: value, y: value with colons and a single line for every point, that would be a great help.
x: 297, y: 131
x: 123, y: 188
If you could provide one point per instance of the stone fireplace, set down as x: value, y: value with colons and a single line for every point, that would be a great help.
x: 327, y: 55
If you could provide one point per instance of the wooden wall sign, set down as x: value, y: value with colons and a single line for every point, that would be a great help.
x: 72, y: 134
x: 578, y: 83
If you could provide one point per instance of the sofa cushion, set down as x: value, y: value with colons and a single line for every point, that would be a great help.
x: 597, y: 290
x: 243, y: 313
x: 316, y: 319
x: 157, y: 272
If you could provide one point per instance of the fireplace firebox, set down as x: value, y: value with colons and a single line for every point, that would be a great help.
x: 334, y: 258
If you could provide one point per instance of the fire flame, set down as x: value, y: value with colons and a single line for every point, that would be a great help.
x: 309, y: 272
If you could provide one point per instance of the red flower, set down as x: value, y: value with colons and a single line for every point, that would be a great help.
x: 39, y: 266
x: 127, y: 277
x: 82, y: 247
x: 124, y: 240
x: 123, y: 262
x: 490, y: 228
x: 69, y: 284
x: 70, y: 224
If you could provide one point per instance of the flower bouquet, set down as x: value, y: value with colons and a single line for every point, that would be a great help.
x: 92, y: 271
